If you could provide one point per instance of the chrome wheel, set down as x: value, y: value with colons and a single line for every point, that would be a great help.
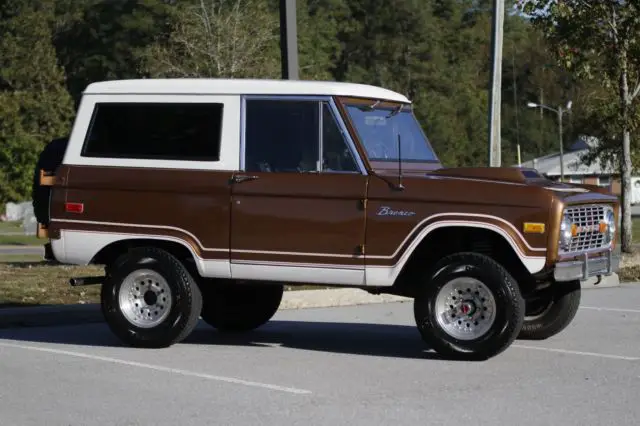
x: 145, y: 298
x: 465, y: 308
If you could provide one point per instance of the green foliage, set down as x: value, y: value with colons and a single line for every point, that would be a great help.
x: 106, y: 39
x: 437, y: 52
x: 597, y: 40
x: 34, y: 104
x: 601, y: 40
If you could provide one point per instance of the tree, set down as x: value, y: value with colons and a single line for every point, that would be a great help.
x: 602, y: 40
x: 105, y: 39
x: 218, y: 38
x: 34, y: 104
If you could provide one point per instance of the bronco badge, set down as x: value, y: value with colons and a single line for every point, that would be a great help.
x: 388, y: 211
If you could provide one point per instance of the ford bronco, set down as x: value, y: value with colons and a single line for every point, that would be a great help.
x: 202, y: 198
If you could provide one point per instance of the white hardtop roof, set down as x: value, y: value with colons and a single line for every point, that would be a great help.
x: 209, y: 86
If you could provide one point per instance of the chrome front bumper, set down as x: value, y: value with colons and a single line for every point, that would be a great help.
x: 587, y: 267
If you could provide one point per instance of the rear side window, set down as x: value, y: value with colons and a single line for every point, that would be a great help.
x: 156, y: 131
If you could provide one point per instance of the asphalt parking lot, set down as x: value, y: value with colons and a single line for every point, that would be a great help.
x: 362, y: 365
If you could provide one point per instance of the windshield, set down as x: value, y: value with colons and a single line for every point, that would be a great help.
x: 378, y: 130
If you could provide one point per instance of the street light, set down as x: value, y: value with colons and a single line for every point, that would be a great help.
x: 560, y: 111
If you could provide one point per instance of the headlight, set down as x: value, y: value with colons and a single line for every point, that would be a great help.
x: 565, y: 233
x: 610, y: 222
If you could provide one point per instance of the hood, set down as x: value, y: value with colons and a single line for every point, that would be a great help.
x: 524, y: 176
x: 503, y: 174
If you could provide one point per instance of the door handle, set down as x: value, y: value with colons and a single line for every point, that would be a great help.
x: 243, y: 178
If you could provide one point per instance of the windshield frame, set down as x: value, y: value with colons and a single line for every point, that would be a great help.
x: 389, y: 107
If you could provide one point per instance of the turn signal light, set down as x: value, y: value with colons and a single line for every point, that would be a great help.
x: 534, y: 228
x: 603, y: 227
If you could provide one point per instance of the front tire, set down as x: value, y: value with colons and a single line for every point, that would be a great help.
x: 551, y: 310
x: 239, y: 306
x: 149, y: 299
x: 469, y: 307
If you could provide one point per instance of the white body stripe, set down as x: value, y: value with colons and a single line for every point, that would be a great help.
x: 421, y: 235
x: 138, y: 235
x: 376, y: 275
x: 465, y: 223
x: 79, y: 247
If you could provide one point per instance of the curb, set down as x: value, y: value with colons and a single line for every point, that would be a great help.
x: 57, y: 315
x: 21, y: 250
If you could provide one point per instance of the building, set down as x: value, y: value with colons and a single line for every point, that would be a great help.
x: 576, y: 171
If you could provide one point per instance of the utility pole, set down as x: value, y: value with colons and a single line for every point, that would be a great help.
x: 515, y: 100
x: 288, y: 40
x: 560, y: 112
x: 495, y: 147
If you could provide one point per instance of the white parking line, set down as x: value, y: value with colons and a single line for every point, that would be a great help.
x: 595, y: 308
x: 569, y: 352
x: 158, y: 368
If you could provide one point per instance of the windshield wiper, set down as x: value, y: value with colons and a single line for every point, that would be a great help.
x: 369, y: 107
x: 395, y: 111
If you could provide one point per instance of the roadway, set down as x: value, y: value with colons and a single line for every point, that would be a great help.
x: 362, y: 365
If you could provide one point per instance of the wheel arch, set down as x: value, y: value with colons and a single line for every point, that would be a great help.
x: 477, y: 237
x: 178, y: 248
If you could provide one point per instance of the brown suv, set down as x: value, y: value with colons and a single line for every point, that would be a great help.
x: 204, y: 197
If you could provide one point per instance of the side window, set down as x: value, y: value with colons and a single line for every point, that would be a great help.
x: 168, y: 131
x: 336, y: 155
x: 282, y: 135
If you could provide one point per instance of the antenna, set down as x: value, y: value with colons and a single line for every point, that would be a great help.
x: 400, y: 185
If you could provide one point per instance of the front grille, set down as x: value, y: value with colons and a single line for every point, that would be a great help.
x: 588, y: 219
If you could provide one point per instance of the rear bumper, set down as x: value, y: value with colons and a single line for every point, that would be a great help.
x: 586, y: 267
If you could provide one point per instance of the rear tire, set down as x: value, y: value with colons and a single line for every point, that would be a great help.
x: 239, y: 306
x: 469, y: 307
x: 149, y: 299
x: 552, y: 311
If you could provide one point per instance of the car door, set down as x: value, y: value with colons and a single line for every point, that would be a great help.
x: 296, y: 215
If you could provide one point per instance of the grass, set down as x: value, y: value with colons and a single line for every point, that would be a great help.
x: 20, y: 240
x: 29, y: 281
x: 635, y: 229
x: 8, y: 237
x: 26, y: 280
x: 10, y: 227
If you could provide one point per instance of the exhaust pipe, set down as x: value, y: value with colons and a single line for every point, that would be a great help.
x: 80, y: 281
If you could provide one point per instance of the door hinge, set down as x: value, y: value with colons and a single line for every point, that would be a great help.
x: 363, y: 204
x: 360, y: 249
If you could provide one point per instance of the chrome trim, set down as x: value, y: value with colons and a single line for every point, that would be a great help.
x: 243, y: 132
x: 587, y: 267
x: 289, y: 97
x: 319, y: 162
x: 320, y: 99
x: 591, y: 240
x: 564, y: 256
x: 347, y: 136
